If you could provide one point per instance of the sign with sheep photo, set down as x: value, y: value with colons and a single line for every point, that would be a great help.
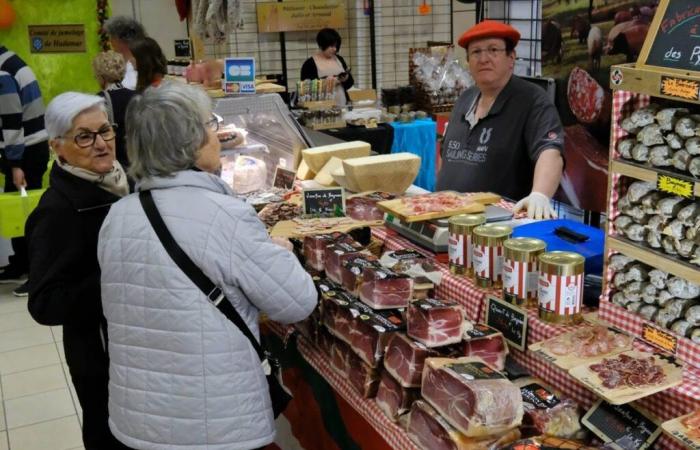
x: 581, y: 39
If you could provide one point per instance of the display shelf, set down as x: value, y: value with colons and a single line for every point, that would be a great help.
x: 629, y: 77
x: 655, y: 258
x: 649, y: 174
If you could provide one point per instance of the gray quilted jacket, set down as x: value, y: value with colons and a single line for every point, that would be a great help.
x: 182, y: 376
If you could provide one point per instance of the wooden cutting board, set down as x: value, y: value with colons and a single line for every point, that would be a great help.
x: 298, y: 228
x: 622, y: 395
x: 678, y: 431
x: 571, y: 360
x: 478, y: 202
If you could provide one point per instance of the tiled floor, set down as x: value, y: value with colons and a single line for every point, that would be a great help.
x: 39, y: 409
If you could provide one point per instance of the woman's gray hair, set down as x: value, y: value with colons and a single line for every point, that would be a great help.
x: 65, y: 107
x: 124, y: 28
x: 165, y: 129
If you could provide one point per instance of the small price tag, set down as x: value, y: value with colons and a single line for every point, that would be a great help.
x: 659, y: 338
x: 680, y: 88
x: 675, y: 186
x: 284, y: 178
x: 509, y: 319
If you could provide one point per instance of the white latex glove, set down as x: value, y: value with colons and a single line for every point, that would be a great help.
x: 538, y: 206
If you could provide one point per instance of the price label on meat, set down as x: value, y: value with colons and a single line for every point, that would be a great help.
x: 659, y: 338
x: 675, y: 186
x: 475, y: 371
x: 509, y: 319
x: 624, y: 427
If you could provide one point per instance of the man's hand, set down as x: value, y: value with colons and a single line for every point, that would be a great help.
x: 18, y: 178
x: 538, y: 206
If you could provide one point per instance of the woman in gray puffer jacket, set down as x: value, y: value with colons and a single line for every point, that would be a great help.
x: 182, y: 376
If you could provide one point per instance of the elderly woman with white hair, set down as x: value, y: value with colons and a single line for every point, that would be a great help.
x: 64, y: 282
x: 181, y: 374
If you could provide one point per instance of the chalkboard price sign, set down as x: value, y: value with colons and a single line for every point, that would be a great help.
x: 326, y: 202
x: 182, y: 48
x: 509, y: 319
x: 673, y: 40
x: 623, y: 426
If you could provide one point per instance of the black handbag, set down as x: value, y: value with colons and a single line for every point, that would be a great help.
x: 278, y: 393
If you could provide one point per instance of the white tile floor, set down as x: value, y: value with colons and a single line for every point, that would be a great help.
x: 39, y: 409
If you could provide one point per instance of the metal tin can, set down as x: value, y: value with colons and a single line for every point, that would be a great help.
x: 560, y: 287
x: 487, y: 254
x: 460, y: 242
x: 521, y: 270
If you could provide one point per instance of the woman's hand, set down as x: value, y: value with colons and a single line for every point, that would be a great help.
x: 283, y: 242
x: 343, y: 77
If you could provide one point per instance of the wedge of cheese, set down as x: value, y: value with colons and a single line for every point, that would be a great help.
x: 304, y: 173
x: 317, y: 157
x: 325, y: 175
x: 387, y: 173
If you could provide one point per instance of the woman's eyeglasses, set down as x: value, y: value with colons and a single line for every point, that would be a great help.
x: 214, y: 122
x: 86, y: 139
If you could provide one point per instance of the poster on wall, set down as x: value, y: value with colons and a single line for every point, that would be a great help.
x: 581, y: 39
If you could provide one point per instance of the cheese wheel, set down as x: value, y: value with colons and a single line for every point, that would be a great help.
x: 317, y: 157
x: 325, y: 175
x: 304, y: 173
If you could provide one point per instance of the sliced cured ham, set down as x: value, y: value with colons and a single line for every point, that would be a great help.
x: 364, y: 207
x: 473, y: 397
x: 435, y: 323
x: 394, y: 399
x: 383, y: 288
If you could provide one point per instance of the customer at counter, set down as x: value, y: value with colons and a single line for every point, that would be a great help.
x: 121, y: 31
x: 328, y: 63
x: 151, y: 64
x: 64, y: 276
x: 504, y: 134
x: 181, y: 374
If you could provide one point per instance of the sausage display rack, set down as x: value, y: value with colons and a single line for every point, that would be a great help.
x: 633, y: 88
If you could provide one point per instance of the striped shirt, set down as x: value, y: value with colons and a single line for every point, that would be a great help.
x: 21, y: 107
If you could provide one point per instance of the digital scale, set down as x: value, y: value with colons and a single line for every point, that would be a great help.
x: 433, y: 234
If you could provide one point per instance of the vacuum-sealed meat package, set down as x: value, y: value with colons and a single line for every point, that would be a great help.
x: 546, y: 412
x: 472, y: 396
x: 487, y: 343
x: 315, y: 248
x: 352, y: 269
x: 404, y: 359
x: 382, y: 288
x: 335, y: 255
x: 435, y: 323
x: 394, y: 399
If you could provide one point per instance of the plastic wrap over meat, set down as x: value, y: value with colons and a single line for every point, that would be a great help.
x: 430, y: 431
x: 352, y: 268
x: 486, y: 343
x: 394, y: 399
x: 435, y: 323
x: 382, y: 288
x: 473, y: 397
x: 364, y: 207
x: 404, y: 359
x: 361, y: 376
x: 338, y: 312
x: 335, y: 255
x: 315, y: 247
x: 546, y: 412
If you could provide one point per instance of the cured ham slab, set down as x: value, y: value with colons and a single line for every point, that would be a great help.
x: 394, y: 399
x: 334, y: 257
x: 473, y: 397
x: 486, y: 343
x: 315, y: 248
x: 435, y: 323
x: 383, y: 288
x: 352, y: 269
x: 404, y: 359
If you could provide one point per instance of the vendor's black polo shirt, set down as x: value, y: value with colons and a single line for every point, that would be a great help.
x: 500, y: 152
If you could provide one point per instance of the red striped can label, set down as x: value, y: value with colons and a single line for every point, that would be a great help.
x: 562, y: 295
x: 460, y: 250
x: 520, y: 278
x: 488, y: 262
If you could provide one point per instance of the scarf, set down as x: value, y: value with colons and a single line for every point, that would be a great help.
x: 114, y: 181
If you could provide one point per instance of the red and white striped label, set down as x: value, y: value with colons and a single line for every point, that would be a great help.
x: 520, y: 278
x: 488, y: 262
x: 460, y: 250
x: 560, y: 294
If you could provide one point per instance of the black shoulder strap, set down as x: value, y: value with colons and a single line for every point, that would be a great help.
x: 213, y: 293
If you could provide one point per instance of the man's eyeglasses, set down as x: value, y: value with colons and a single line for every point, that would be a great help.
x: 214, y: 122
x: 491, y: 52
x: 86, y: 139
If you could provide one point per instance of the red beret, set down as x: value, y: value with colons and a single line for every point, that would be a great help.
x: 489, y: 29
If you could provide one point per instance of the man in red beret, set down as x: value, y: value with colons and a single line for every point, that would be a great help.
x: 504, y: 134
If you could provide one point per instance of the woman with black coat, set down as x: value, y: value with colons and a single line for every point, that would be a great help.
x: 64, y: 282
x: 327, y: 63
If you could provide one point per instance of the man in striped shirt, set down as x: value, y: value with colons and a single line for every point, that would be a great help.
x: 24, y: 150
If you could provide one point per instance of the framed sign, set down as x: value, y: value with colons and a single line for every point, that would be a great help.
x: 183, y: 48
x: 301, y: 16
x: 673, y: 40
x: 57, y: 38
x: 325, y: 202
x: 623, y: 426
x: 239, y: 75
x: 284, y: 178
x: 509, y: 319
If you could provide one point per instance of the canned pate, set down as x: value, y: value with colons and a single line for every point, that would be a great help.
x: 560, y: 287
x: 460, y: 242
x: 487, y: 254
x: 521, y: 270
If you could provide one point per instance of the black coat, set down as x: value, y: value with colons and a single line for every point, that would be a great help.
x: 64, y: 275
x: 309, y: 71
x: 120, y: 99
